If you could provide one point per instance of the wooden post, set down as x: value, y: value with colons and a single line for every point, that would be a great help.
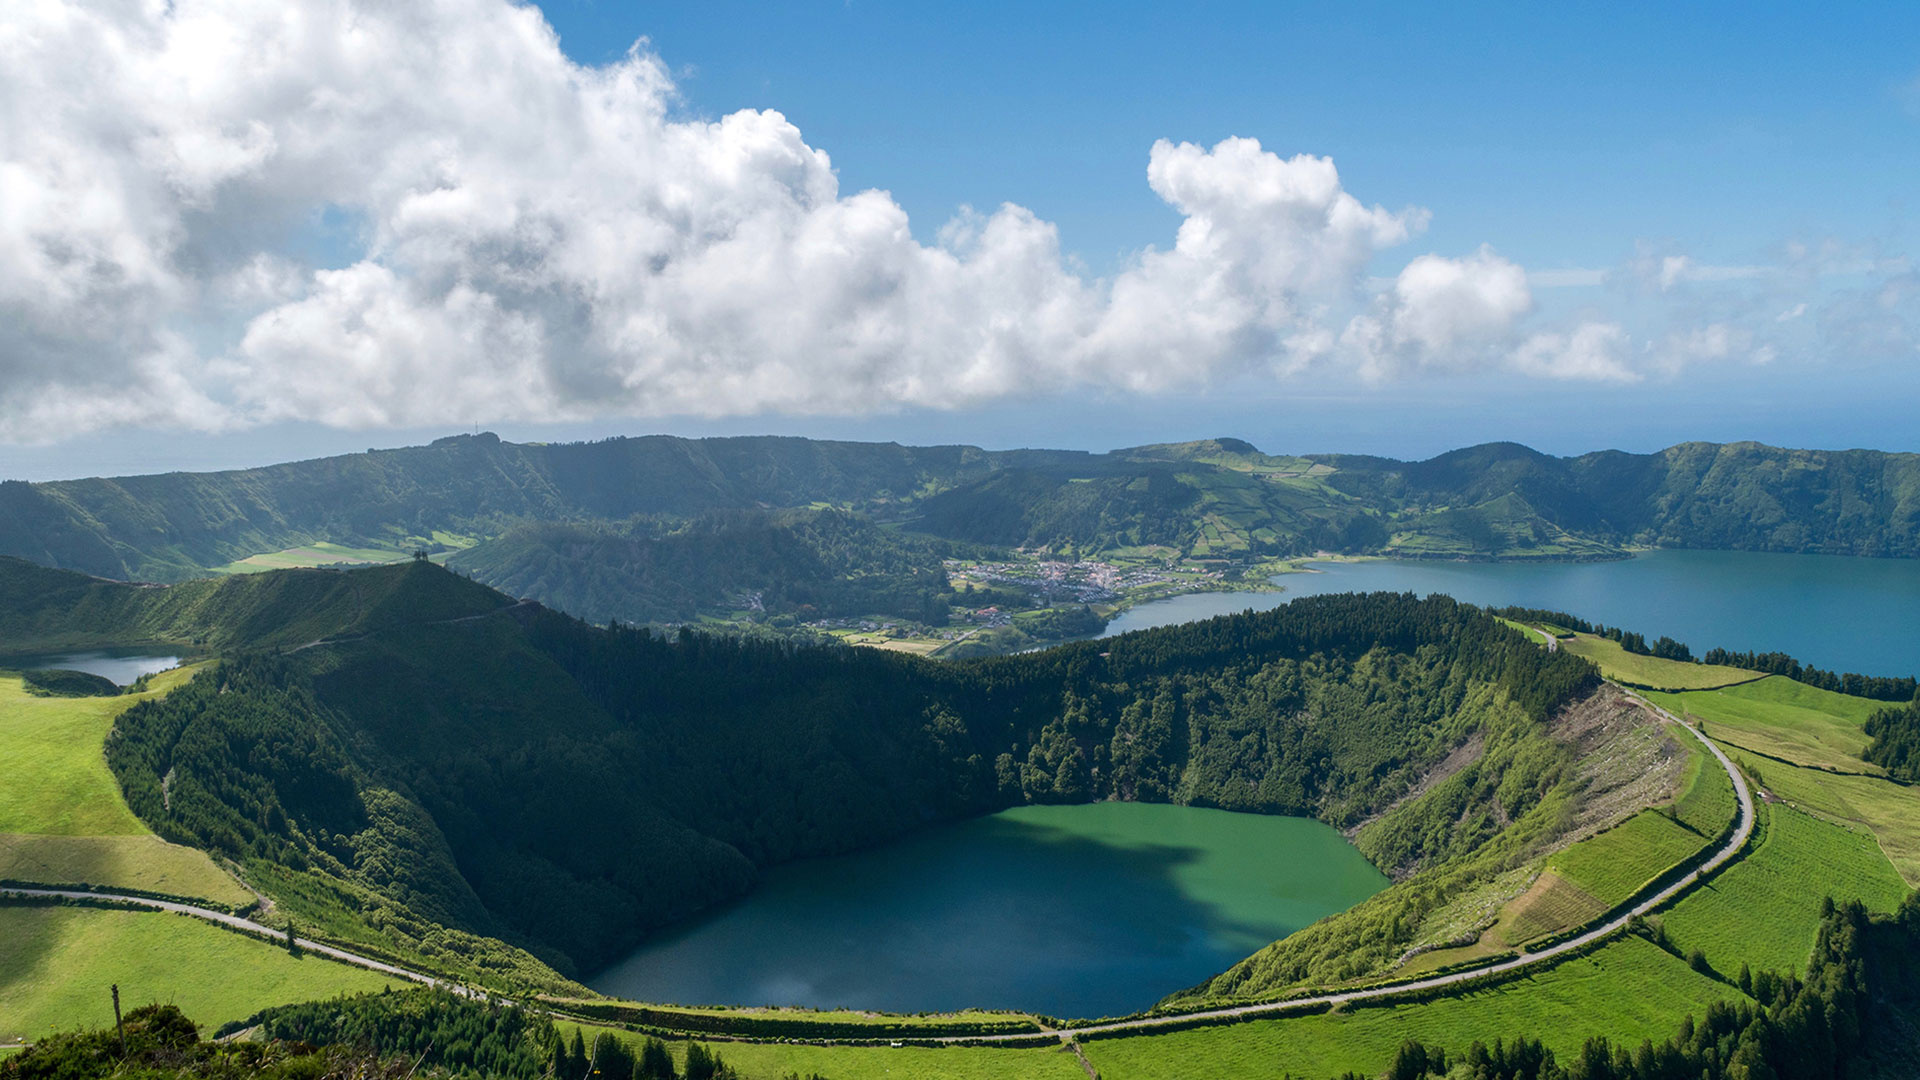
x: 117, y: 1025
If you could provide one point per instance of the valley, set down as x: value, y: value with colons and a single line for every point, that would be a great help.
x: 426, y: 753
x: 590, y: 541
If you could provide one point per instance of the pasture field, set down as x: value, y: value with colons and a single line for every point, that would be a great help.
x: 70, y: 824
x: 57, y: 962
x: 59, y: 742
x: 142, y: 863
x: 1706, y: 803
x: 1628, y: 990
x: 1889, y: 810
x: 1785, y: 719
x: 1551, y: 905
x: 321, y: 553
x: 1763, y: 910
x: 1613, y: 865
x: 1617, y: 663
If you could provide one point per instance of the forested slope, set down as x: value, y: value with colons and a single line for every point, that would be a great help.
x: 524, y: 775
x: 174, y: 526
x: 44, y: 610
x: 809, y: 563
x: 1217, y: 497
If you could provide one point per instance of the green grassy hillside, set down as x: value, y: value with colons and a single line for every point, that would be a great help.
x: 1763, y: 910
x: 62, y: 819
x: 57, y: 962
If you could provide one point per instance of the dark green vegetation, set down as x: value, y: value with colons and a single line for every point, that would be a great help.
x: 807, y: 564
x: 417, y: 1033
x: 487, y: 770
x: 55, y: 682
x: 627, y: 528
x: 1877, y: 687
x: 57, y: 609
x: 1852, y: 1016
x: 1896, y: 741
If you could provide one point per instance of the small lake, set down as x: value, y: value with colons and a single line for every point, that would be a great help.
x: 121, y: 666
x: 1833, y: 611
x: 1073, y: 911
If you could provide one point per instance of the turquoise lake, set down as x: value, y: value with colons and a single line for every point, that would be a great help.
x: 1072, y: 911
x: 1833, y: 611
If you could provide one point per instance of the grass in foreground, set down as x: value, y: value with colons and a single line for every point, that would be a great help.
x: 1628, y: 991
x: 56, y: 964
x: 1553, y: 904
x: 1782, y: 718
x: 1765, y: 909
x: 1617, y: 663
x: 1706, y: 804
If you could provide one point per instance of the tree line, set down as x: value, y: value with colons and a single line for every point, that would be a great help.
x: 1876, y: 687
x: 1851, y: 1017
x: 570, y: 788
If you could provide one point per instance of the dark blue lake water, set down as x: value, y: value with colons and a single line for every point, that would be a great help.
x: 122, y: 666
x: 1837, y: 612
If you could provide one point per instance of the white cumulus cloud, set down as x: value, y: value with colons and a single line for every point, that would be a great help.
x: 528, y: 238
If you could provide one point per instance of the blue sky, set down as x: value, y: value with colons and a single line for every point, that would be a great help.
x: 1559, y: 133
x: 1726, y: 191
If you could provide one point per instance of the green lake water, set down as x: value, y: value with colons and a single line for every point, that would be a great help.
x: 1073, y: 911
x: 1832, y: 611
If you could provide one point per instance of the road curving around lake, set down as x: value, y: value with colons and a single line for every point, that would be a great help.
x: 1067, y: 1033
x: 1725, y: 854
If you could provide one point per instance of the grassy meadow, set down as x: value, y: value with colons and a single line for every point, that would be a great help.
x: 1628, y: 990
x: 1764, y: 909
x: 1803, y: 745
x: 310, y: 555
x: 1623, y: 666
x: 1706, y: 803
x: 1615, y: 864
x: 56, y: 964
x: 1890, y: 811
x: 1781, y: 718
x: 58, y: 741
x: 70, y: 825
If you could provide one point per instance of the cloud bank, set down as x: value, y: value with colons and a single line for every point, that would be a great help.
x: 532, y: 239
